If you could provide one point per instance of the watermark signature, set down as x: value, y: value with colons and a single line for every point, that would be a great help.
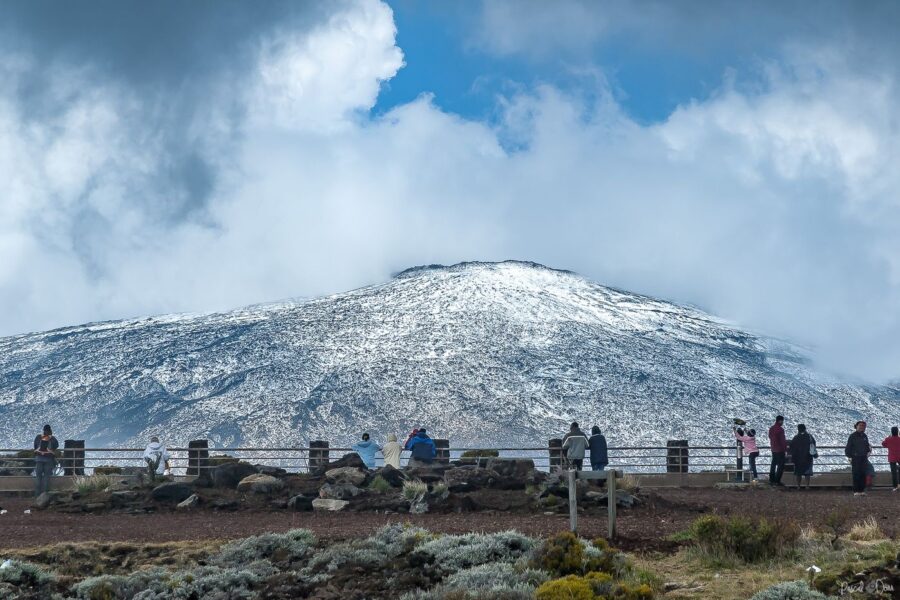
x: 875, y: 586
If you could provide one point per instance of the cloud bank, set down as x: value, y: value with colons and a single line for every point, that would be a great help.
x: 253, y: 171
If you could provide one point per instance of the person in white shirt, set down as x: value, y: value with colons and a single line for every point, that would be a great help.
x: 156, y: 454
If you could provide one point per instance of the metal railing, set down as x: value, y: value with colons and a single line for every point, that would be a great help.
x: 636, y: 459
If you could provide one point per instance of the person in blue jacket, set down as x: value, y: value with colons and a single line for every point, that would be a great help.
x: 422, y: 449
x: 366, y: 450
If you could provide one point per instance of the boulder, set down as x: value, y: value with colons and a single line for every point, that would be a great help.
x: 44, y: 500
x: 348, y: 460
x: 192, y: 501
x: 339, y: 491
x: 260, y: 484
x: 303, y: 484
x: 462, y: 479
x: 345, y: 476
x: 516, y: 468
x: 269, y: 470
x: 224, y: 504
x: 329, y: 504
x: 394, y: 503
x: 623, y: 499
x: 395, y: 477
x: 300, y: 503
x: 229, y: 475
x: 171, y: 492
x: 125, y: 497
x: 428, y: 473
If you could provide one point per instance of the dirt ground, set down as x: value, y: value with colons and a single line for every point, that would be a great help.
x: 665, y: 511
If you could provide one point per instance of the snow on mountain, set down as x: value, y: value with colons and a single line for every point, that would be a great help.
x: 482, y: 353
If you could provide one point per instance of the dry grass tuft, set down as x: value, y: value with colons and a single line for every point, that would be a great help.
x: 866, y: 531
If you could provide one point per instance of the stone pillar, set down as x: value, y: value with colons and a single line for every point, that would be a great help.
x: 73, y: 457
x: 198, y: 457
x: 443, y: 451
x: 318, y: 454
x: 554, y: 448
x: 677, y: 456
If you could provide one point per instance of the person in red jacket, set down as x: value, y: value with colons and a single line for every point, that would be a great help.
x: 892, y: 443
x: 778, y: 446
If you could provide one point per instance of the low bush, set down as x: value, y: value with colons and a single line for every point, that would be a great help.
x: 743, y: 538
x: 452, y: 553
x: 98, y: 482
x: 439, y: 489
x: 157, y: 584
x: 592, y: 586
x: 866, y: 531
x: 380, y: 484
x: 383, y: 547
x: 288, y: 547
x: 495, y: 581
x: 789, y: 590
x: 24, y: 574
x: 414, y: 489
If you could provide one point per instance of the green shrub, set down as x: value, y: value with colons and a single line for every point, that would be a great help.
x: 789, y: 590
x: 287, y: 547
x: 496, y: 581
x: 439, y: 489
x: 93, y: 483
x: 414, y: 489
x: 563, y: 554
x: 590, y: 587
x: 743, y: 538
x: 25, y: 574
x: 571, y: 587
x: 481, y: 453
x: 453, y: 553
x: 380, y: 484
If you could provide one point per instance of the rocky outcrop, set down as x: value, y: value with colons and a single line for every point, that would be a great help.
x: 468, y: 478
x: 227, y: 475
x: 172, y: 492
x: 192, y: 501
x: 345, y: 476
x: 394, y: 477
x: 348, y: 460
x: 339, y: 491
x: 429, y: 473
x: 260, y: 484
x: 300, y: 503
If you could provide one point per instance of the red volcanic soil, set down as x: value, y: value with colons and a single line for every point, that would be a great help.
x: 665, y: 511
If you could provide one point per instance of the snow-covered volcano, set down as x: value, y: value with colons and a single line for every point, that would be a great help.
x: 481, y: 353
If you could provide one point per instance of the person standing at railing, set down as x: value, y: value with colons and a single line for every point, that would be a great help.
x: 45, y: 447
x: 748, y: 440
x: 366, y: 450
x: 575, y: 443
x: 422, y: 449
x: 157, y: 457
x: 892, y: 443
x: 858, y: 450
x: 391, y: 452
x: 778, y: 445
x: 803, y: 450
x: 599, y: 453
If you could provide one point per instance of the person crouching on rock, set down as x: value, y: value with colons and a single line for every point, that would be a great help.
x: 366, y: 450
x: 45, y: 446
x: 391, y: 452
x: 422, y: 449
x: 157, y: 457
x: 575, y: 444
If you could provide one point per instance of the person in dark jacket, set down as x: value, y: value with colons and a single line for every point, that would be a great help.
x: 778, y: 446
x: 45, y: 446
x: 892, y: 443
x: 858, y: 450
x: 597, y: 446
x: 802, y: 449
x: 422, y: 449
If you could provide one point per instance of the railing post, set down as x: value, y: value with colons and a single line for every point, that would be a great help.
x: 554, y: 448
x: 198, y: 457
x: 73, y: 457
x: 318, y: 454
x: 443, y: 451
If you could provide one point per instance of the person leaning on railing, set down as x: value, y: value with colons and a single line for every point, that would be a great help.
x: 45, y: 447
x: 858, y: 450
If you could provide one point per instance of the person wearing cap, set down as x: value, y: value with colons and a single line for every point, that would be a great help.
x: 45, y: 446
x: 157, y: 457
x: 391, y: 452
x: 858, y: 450
x: 422, y: 449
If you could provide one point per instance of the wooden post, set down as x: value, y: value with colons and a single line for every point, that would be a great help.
x: 554, y: 448
x: 611, y: 501
x: 443, y: 451
x: 73, y: 457
x: 573, y: 501
x: 318, y: 454
x: 198, y: 457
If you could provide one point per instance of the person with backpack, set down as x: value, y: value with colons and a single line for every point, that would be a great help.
x: 422, y: 449
x: 599, y: 453
x: 748, y: 440
x: 892, y: 443
x: 157, y: 457
x: 858, y: 450
x: 778, y: 446
x: 803, y: 450
x: 391, y: 452
x: 45, y: 447
x: 366, y: 450
x: 575, y: 443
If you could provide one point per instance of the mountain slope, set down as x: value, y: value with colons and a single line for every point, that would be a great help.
x: 483, y: 353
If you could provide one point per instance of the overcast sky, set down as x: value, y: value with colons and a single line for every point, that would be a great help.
x: 192, y: 156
